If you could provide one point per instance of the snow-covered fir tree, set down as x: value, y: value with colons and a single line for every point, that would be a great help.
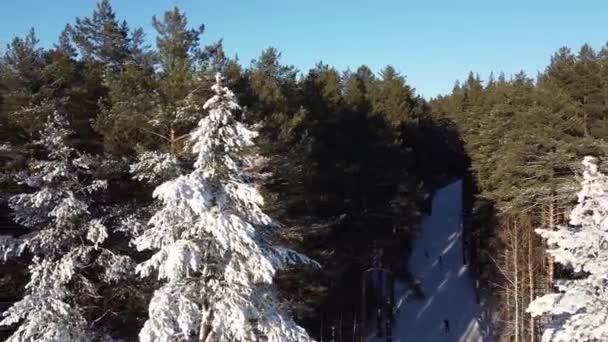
x: 64, y: 239
x: 580, y: 308
x: 213, y: 243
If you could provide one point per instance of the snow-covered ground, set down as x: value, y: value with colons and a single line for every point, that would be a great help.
x: 448, y: 288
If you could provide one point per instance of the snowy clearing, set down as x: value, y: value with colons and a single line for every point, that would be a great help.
x: 448, y: 288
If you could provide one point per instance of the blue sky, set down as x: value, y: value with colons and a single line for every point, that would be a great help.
x: 432, y: 42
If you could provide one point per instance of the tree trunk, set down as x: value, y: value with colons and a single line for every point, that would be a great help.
x: 172, y: 141
x: 206, y: 328
x: 363, y: 325
x: 585, y: 117
x: 508, y: 294
x: 340, y: 328
x: 531, y: 280
x: 549, y: 257
x: 354, y: 327
x: 516, y: 282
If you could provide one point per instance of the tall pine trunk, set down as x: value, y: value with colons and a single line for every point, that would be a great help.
x: 516, y: 282
x: 172, y: 141
x: 531, y: 280
x: 508, y: 294
x: 550, y: 265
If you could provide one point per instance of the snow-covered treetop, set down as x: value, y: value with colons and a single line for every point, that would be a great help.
x: 54, y: 136
x: 580, y: 305
x: 592, y: 199
x: 211, y: 238
x: 219, y: 140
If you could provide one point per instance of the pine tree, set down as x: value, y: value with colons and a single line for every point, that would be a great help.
x: 103, y: 38
x: 78, y: 91
x: 28, y: 99
x: 125, y: 117
x: 357, y: 89
x: 212, y: 243
x: 580, y: 305
x: 156, y: 108
x: 273, y: 99
x: 322, y: 91
x: 65, y: 239
x: 214, y: 60
x: 393, y: 98
x: 271, y: 82
x: 178, y: 54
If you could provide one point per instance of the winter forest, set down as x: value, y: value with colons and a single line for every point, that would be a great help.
x: 172, y: 192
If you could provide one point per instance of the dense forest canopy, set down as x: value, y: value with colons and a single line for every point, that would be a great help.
x: 105, y: 141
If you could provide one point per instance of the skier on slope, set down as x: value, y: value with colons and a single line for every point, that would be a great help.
x: 446, y: 326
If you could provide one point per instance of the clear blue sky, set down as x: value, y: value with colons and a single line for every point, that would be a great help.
x: 432, y: 42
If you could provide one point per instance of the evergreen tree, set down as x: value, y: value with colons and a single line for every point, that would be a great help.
x: 357, y: 89
x: 179, y: 90
x: 273, y: 99
x: 103, y: 38
x: 393, y: 98
x: 65, y: 239
x: 73, y: 83
x: 212, y: 242
x: 28, y: 98
x: 154, y: 109
x: 178, y: 54
x: 472, y: 91
x: 272, y: 83
x: 214, y: 60
x: 580, y: 305
x: 124, y: 120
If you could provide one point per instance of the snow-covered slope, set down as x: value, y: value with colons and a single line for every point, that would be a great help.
x: 448, y: 288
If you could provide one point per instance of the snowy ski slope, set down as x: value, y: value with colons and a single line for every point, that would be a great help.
x: 448, y: 288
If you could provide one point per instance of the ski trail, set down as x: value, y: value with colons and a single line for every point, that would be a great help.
x: 447, y: 286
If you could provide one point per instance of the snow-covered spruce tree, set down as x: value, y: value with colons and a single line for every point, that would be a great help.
x: 214, y: 243
x: 580, y: 308
x: 64, y: 241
